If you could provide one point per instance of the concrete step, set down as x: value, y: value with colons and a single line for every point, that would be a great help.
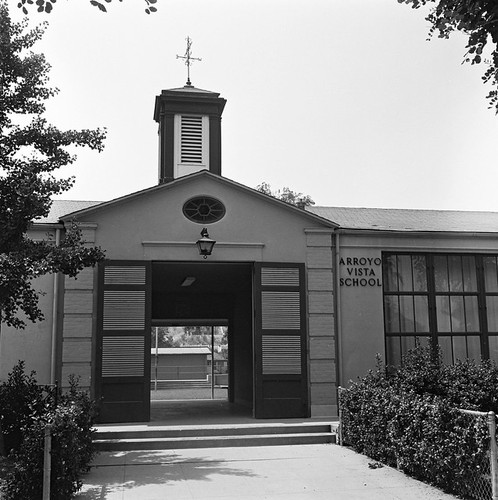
x: 213, y: 430
x: 213, y: 437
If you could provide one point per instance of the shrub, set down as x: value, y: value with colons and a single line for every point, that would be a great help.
x: 436, y: 443
x: 420, y: 371
x: 465, y: 384
x: 470, y: 385
x: 21, y: 398
x: 70, y: 416
x: 366, y: 411
x: 407, y: 418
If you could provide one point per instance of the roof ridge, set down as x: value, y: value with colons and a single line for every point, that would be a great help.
x: 452, y: 210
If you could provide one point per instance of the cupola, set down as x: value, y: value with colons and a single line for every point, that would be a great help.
x: 189, y: 131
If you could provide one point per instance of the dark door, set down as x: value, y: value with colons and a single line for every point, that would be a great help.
x: 281, y: 385
x: 123, y: 341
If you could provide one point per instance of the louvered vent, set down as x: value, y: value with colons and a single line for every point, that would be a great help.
x: 279, y: 276
x: 280, y: 310
x: 281, y: 354
x: 124, y: 310
x: 191, y: 139
x: 124, y: 275
x: 123, y: 356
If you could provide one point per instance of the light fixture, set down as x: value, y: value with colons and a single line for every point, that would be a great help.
x: 205, y: 244
x: 188, y: 281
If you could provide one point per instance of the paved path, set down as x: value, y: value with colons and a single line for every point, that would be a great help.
x: 305, y: 472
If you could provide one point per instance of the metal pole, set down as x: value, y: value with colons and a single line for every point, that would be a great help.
x: 155, y: 364
x: 493, y: 456
x: 339, y: 391
x: 212, y: 362
x: 55, y: 314
x: 47, y: 462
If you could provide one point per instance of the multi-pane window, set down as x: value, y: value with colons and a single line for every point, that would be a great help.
x: 490, y: 271
x: 406, y: 310
x: 446, y: 300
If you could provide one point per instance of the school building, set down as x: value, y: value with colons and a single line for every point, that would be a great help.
x: 310, y: 295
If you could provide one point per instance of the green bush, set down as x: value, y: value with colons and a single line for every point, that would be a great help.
x: 21, y: 398
x: 407, y: 418
x: 465, y: 384
x: 472, y: 386
x: 70, y: 415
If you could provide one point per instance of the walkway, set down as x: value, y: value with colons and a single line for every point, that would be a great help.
x: 306, y: 472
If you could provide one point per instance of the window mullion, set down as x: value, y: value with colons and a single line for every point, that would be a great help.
x: 482, y: 308
x: 431, y: 289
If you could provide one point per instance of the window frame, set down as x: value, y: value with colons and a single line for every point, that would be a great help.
x: 432, y: 293
x: 182, y: 167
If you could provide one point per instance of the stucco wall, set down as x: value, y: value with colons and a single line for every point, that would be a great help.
x: 32, y: 344
x: 359, y: 288
x: 153, y: 227
x: 78, y: 327
x: 321, y: 331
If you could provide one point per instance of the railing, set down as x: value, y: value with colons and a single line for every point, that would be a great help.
x: 188, y: 376
x: 179, y: 372
x: 483, y: 479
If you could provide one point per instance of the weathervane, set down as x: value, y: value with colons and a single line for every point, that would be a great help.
x: 188, y: 59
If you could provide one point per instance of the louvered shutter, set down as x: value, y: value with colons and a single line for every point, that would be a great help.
x: 123, y: 344
x: 280, y: 341
x: 191, y: 139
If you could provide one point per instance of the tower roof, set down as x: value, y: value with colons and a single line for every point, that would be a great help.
x: 190, y: 90
x: 188, y: 99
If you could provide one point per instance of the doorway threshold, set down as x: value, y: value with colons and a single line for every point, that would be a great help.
x: 199, y: 412
x: 196, y: 414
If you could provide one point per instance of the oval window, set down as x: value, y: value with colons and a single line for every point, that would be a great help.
x: 204, y: 210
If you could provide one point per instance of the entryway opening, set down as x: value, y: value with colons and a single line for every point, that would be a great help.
x: 189, y: 362
x: 201, y: 362
x: 267, y: 341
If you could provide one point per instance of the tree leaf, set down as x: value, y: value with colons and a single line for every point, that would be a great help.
x: 99, y: 5
x: 27, y: 184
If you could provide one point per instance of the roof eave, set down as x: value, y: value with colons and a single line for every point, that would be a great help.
x: 46, y: 225
x: 414, y: 232
x: 187, y: 178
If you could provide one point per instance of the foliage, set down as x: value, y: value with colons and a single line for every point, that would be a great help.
x: 409, y: 418
x: 420, y: 372
x: 437, y: 443
x: 467, y: 384
x: 286, y: 194
x: 70, y: 415
x: 477, y: 19
x: 30, y: 151
x: 182, y: 336
x: 20, y: 397
x: 47, y: 5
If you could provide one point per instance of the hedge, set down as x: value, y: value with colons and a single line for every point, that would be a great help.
x: 409, y: 418
x: 70, y: 414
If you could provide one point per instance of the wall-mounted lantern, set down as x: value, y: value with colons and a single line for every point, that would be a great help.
x: 205, y: 244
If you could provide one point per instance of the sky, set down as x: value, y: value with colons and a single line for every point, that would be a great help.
x: 342, y: 100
